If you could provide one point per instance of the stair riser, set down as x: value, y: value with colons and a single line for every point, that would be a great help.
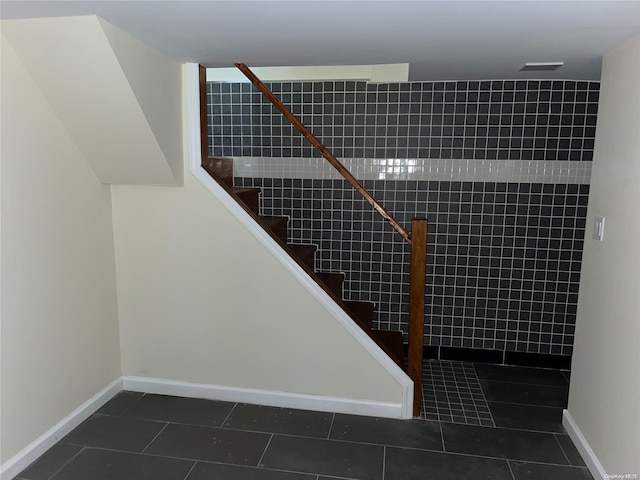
x: 363, y: 311
x: 393, y: 341
x: 309, y: 261
x: 305, y: 253
x: 251, y: 200
x: 280, y: 231
x: 333, y: 282
x: 220, y: 168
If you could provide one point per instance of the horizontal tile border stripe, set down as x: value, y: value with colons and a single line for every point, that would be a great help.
x: 509, y: 171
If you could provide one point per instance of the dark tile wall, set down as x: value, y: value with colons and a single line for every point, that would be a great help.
x: 503, y: 258
x: 514, y: 120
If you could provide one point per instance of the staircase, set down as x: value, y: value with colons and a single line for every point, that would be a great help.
x: 221, y: 170
x: 362, y: 313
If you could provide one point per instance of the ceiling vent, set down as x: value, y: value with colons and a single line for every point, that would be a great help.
x: 541, y: 67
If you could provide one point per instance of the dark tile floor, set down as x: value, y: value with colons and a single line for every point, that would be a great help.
x: 451, y: 392
x: 154, y: 437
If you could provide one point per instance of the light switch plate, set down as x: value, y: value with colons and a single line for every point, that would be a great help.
x: 598, y: 228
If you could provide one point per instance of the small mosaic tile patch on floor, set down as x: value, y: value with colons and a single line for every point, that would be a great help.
x: 452, y: 393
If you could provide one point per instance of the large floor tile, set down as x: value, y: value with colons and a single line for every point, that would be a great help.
x: 526, y: 417
x: 503, y: 443
x: 527, y: 394
x: 280, y: 420
x: 210, y: 444
x: 324, y: 457
x: 536, y: 471
x: 210, y: 471
x: 386, y: 431
x: 192, y: 411
x: 50, y: 462
x: 405, y: 464
x: 535, y: 376
x: 570, y: 450
x: 120, y: 403
x: 93, y: 464
x: 104, y: 431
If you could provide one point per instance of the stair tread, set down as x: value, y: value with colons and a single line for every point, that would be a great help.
x: 393, y: 341
x: 359, y: 304
x: 245, y: 190
x: 303, y: 247
x: 335, y: 275
x: 270, y: 221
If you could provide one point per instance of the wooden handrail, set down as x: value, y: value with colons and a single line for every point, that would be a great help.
x: 323, y: 150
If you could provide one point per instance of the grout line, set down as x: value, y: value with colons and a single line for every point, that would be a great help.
x: 64, y: 464
x: 146, y: 454
x: 229, y: 414
x: 153, y: 439
x: 331, y: 426
x: 484, y: 397
x: 577, y: 467
x: 526, y: 404
x: 513, y: 475
x: 562, y: 449
x: 526, y: 430
x: 485, y: 456
x: 392, y: 446
x: 265, y: 450
x: 190, y: 470
x: 564, y: 387
x: 384, y: 462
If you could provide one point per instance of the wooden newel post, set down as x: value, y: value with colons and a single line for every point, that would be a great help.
x: 204, y: 121
x: 416, y: 308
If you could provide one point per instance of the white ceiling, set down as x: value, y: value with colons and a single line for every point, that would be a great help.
x: 442, y: 40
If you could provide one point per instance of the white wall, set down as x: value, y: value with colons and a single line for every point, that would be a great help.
x: 201, y: 300
x: 59, y: 324
x: 92, y: 74
x: 604, y: 399
x: 156, y: 82
x: 392, y: 72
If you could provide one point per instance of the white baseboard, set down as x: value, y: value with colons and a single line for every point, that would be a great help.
x: 588, y: 455
x: 263, y: 397
x: 31, y: 452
